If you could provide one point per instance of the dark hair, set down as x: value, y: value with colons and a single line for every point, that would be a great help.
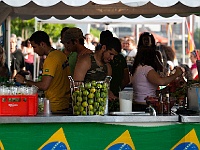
x: 26, y: 42
x: 40, y: 36
x: 81, y: 41
x: 98, y: 47
x: 114, y: 43
x: 188, y: 72
x: 145, y: 56
x: 140, y: 42
x: 63, y: 30
x: 170, y: 53
x: 104, y: 35
x: 194, y: 53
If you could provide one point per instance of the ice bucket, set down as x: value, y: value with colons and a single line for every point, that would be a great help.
x: 90, y: 98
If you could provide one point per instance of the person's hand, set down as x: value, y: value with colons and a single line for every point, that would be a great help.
x: 179, y: 71
x: 19, y: 78
x: 111, y: 96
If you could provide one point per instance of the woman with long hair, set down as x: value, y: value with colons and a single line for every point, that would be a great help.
x: 145, y: 78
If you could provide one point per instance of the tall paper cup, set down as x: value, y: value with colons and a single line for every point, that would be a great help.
x: 125, y: 101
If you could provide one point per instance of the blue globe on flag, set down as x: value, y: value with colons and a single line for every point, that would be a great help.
x: 120, y: 146
x: 186, y: 145
x: 55, y: 146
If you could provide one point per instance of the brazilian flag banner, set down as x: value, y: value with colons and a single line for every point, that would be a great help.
x: 98, y: 136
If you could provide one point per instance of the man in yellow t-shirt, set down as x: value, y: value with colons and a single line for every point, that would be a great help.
x: 54, y: 80
x: 56, y: 66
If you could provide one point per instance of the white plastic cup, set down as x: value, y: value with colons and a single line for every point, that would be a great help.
x: 47, y: 108
x: 125, y: 101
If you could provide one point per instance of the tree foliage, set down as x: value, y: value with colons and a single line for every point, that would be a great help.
x: 53, y: 30
x: 24, y: 28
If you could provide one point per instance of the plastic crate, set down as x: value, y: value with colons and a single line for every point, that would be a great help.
x: 18, y: 105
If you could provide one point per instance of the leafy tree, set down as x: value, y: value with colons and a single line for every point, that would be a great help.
x: 24, y: 29
x: 53, y: 30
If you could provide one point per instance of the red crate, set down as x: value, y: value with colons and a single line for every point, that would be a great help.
x: 18, y: 105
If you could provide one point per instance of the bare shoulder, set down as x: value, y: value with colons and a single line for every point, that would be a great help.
x: 84, y: 61
x: 109, y: 69
x: 84, y: 57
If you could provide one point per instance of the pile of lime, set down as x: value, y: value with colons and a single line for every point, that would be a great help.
x: 90, y: 98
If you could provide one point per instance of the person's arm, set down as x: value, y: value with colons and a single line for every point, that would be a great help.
x: 82, y: 66
x: 155, y: 78
x: 42, y: 85
x: 109, y: 69
x: 194, y: 73
x: 14, y: 73
x: 126, y: 78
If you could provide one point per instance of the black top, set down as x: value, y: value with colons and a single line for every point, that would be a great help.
x: 17, y: 61
x: 97, y: 73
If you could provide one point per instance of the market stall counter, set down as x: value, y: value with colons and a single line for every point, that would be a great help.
x: 92, y: 132
x: 60, y: 118
x: 192, y: 118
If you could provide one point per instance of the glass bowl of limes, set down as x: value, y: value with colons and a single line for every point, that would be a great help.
x: 89, y: 98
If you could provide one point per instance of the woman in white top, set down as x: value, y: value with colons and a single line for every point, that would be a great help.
x: 145, y: 79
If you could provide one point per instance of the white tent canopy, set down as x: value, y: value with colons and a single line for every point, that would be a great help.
x: 106, y: 20
x: 79, y: 9
x: 62, y: 9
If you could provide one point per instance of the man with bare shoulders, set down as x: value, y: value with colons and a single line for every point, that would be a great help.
x: 73, y: 41
x: 96, y: 66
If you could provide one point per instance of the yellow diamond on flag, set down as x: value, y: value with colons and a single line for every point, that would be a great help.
x: 56, y: 141
x: 188, y: 142
x: 123, y: 142
x: 1, y: 146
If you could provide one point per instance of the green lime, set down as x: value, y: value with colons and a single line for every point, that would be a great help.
x: 85, y: 92
x: 103, y: 94
x: 97, y: 94
x: 92, y: 90
x: 91, y: 95
x: 99, y: 85
x: 83, y: 113
x: 88, y: 85
x: 93, y: 83
x: 78, y: 103
x: 85, y: 104
x: 85, y: 98
x: 90, y: 107
x: 98, y: 99
x: 79, y: 99
x: 75, y: 108
x: 90, y: 101
x: 90, y: 112
x: 80, y: 108
x: 77, y: 113
x: 105, y: 85
x: 96, y: 104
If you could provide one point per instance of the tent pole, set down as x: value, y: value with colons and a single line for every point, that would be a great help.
x: 36, y: 58
x: 183, y: 41
x: 8, y: 28
x: 168, y: 34
x: 137, y: 33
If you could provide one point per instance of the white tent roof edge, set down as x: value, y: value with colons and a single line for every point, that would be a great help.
x: 131, y: 3
x: 106, y: 20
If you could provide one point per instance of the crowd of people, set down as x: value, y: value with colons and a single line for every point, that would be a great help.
x: 144, y: 66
